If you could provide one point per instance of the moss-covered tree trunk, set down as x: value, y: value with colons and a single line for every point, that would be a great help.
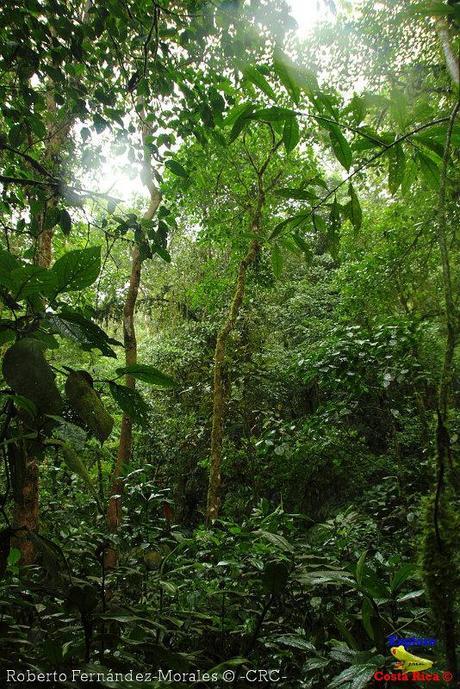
x: 130, y: 344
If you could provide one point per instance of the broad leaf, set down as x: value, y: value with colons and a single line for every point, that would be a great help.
x: 148, y: 374
x: 397, y: 167
x: 353, y: 209
x: 76, y: 269
x: 74, y: 326
x: 241, y: 120
x: 287, y: 75
x: 75, y: 464
x: 176, y: 168
x: 430, y: 170
x: 273, y: 114
x: 340, y: 146
x: 130, y: 401
x: 291, y: 134
x: 253, y: 75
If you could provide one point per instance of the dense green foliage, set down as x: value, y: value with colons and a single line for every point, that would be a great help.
x: 286, y: 493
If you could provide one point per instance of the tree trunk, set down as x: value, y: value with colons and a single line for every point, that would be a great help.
x: 219, y: 390
x: 26, y: 508
x: 444, y: 542
x: 130, y: 343
x: 452, y: 62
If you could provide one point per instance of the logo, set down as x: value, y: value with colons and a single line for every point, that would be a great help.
x: 407, y: 662
x: 395, y: 640
x: 411, y: 668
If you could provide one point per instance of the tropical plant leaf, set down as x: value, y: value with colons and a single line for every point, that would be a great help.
x: 253, y: 75
x: 77, y: 269
x: 148, y: 374
x: 130, y: 401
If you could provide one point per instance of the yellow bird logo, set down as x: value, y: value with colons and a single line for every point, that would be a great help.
x: 408, y: 662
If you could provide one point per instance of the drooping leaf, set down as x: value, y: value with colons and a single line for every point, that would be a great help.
x: 176, y: 168
x: 340, y: 146
x: 253, y: 75
x: 276, y: 540
x: 429, y: 169
x: 287, y: 75
x: 396, y: 168
x: 291, y: 133
x: 241, y: 120
x: 76, y: 327
x: 302, y: 244
x: 404, y: 573
x: 8, y: 263
x: 130, y: 401
x: 273, y: 114
x: 148, y: 374
x: 360, y: 567
x: 65, y: 222
x: 162, y: 253
x: 353, y: 209
x: 77, y: 269
x: 74, y: 462
x: 294, y: 221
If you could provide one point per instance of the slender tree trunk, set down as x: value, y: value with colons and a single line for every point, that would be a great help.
x: 444, y: 459
x: 130, y: 343
x: 220, y: 389
x: 451, y: 58
x: 26, y: 508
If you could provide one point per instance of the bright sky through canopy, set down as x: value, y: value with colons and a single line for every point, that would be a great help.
x: 307, y: 13
x: 114, y: 173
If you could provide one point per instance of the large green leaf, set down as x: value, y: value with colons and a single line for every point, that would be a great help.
x: 287, y: 75
x: 176, y: 168
x: 404, y: 573
x: 273, y: 114
x: 76, y: 327
x: 291, y: 133
x: 241, y: 120
x: 130, y: 401
x: 75, y: 464
x: 148, y: 374
x: 298, y: 194
x: 340, y: 146
x: 353, y: 209
x: 77, y: 269
x: 30, y: 280
x: 8, y: 263
x: 294, y: 221
x: 253, y: 75
x: 429, y: 170
x: 396, y: 169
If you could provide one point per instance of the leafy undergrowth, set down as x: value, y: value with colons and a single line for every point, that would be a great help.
x: 313, y: 602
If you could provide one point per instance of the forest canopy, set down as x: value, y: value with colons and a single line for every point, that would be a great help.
x: 229, y: 288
